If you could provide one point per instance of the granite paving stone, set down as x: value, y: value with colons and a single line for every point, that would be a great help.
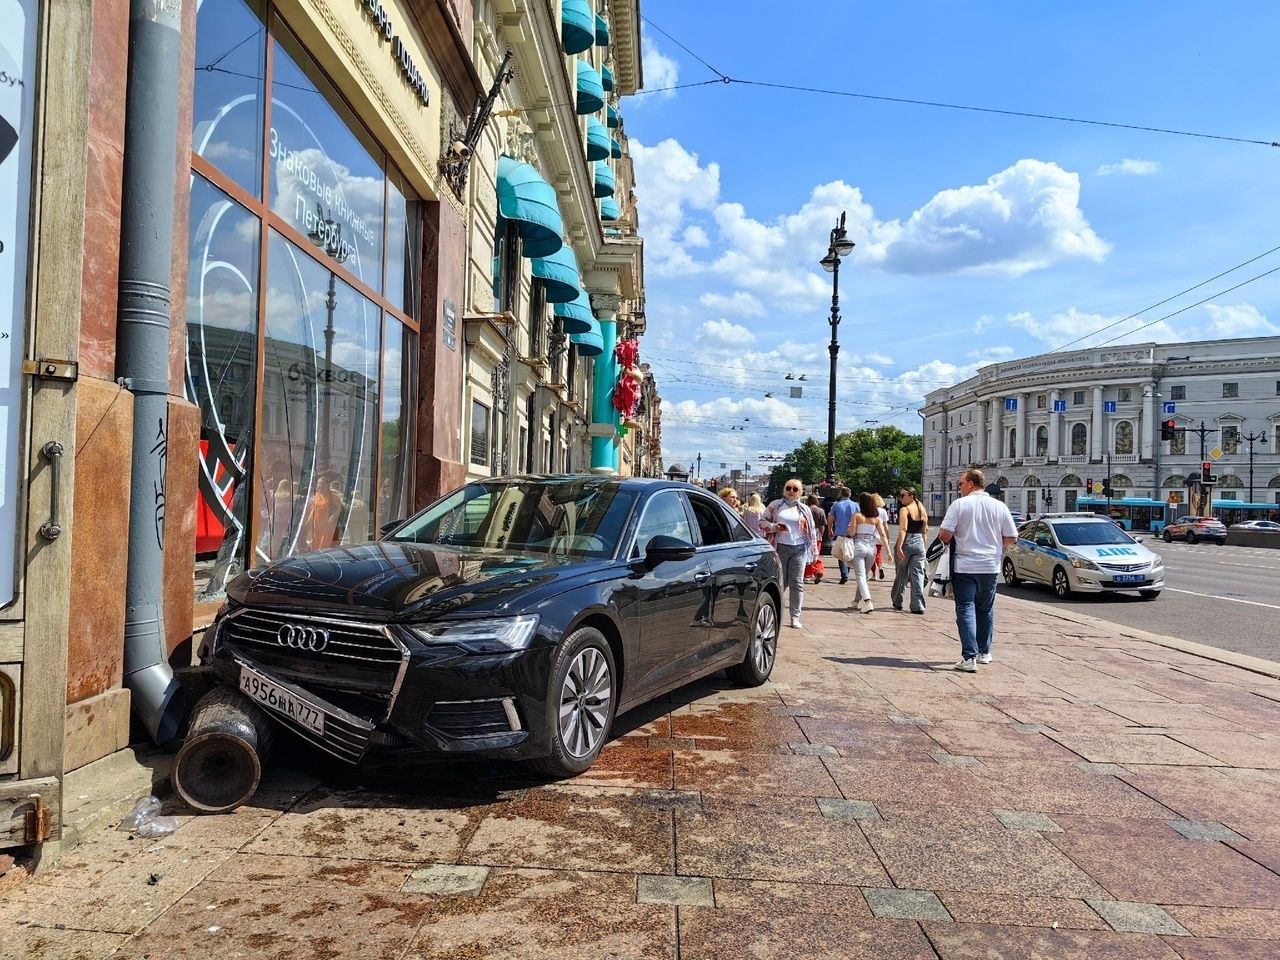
x: 736, y: 772
x: 1137, y: 918
x: 286, y: 871
x: 998, y: 740
x: 848, y: 809
x: 1226, y: 950
x: 895, y: 904
x: 1234, y: 748
x: 49, y: 943
x: 446, y: 879
x: 1204, y: 830
x: 887, y: 741
x: 676, y: 891
x: 1018, y: 911
x: 1027, y: 820
x: 965, y: 941
x: 629, y: 763
x: 1264, y: 852
x: 733, y: 934
x: 780, y: 899
x: 813, y: 750
x: 1242, y: 924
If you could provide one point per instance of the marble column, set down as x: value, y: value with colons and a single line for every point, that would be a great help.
x: 995, y: 446
x: 1020, y: 421
x: 604, y: 418
x: 1055, y: 424
x: 1148, y: 422
x: 980, y: 429
x: 1097, y: 433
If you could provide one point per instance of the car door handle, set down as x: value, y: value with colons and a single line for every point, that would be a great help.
x: 752, y: 566
x: 700, y: 577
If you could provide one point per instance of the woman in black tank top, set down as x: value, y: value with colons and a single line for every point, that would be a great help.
x: 913, y: 525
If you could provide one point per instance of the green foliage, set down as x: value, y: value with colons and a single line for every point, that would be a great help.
x: 880, y: 461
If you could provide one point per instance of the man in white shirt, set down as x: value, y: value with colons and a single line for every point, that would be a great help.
x: 981, y: 527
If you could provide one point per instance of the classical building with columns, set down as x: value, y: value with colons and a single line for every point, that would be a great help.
x: 1042, y: 427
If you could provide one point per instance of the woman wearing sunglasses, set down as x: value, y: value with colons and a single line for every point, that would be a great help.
x: 789, y: 525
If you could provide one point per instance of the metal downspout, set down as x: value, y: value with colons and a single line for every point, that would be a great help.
x: 142, y: 346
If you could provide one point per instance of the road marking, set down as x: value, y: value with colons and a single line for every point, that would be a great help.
x: 1214, y: 596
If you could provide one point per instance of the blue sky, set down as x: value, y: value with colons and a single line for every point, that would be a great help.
x: 979, y: 237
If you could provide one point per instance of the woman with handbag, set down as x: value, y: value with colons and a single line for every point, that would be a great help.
x: 869, y: 535
x: 913, y: 527
x: 788, y: 525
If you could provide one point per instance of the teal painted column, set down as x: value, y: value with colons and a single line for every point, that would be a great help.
x: 604, y: 418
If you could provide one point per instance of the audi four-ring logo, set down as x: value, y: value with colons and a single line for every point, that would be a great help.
x: 314, y: 639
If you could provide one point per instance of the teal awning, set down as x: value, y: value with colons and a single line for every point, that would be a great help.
x: 577, y: 26
x: 591, y: 343
x: 615, y: 121
x: 523, y: 196
x: 609, y: 209
x: 559, y: 275
x: 598, y: 138
x: 590, y: 90
x: 576, y: 315
x: 602, y: 31
x: 605, y: 181
x: 615, y: 148
x: 606, y: 78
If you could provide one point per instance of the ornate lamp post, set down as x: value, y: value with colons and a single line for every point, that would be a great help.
x: 839, y: 247
x: 327, y: 235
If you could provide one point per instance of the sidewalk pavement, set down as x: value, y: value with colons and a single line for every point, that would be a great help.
x: 1087, y: 795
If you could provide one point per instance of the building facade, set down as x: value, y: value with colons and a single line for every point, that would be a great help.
x: 253, y: 286
x: 1044, y: 426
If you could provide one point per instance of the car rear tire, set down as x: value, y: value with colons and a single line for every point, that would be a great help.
x: 581, y: 703
x: 1010, y: 573
x: 1191, y: 537
x: 1061, y: 583
x: 762, y: 651
x: 1168, y: 537
x: 1148, y: 594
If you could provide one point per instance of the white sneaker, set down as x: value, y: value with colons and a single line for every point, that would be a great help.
x: 967, y: 666
x: 795, y: 623
x: 868, y: 607
x: 984, y: 658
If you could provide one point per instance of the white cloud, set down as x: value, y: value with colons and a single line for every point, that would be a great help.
x: 724, y: 334
x: 1128, y: 167
x: 1061, y: 328
x: 659, y: 70
x: 1240, y: 320
x: 695, y: 236
x: 983, y: 322
x: 739, y: 304
x: 879, y: 359
x: 669, y: 182
x: 992, y: 354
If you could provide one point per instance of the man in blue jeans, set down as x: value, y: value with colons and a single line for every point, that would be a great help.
x: 838, y: 522
x: 981, y: 527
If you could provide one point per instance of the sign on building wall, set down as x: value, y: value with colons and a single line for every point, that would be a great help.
x: 1109, y: 406
x: 1011, y: 403
x: 1059, y: 406
x: 17, y: 89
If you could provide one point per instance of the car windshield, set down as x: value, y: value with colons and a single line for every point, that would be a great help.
x: 578, y: 518
x: 1089, y: 534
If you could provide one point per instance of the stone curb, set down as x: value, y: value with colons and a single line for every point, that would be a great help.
x: 1267, y: 668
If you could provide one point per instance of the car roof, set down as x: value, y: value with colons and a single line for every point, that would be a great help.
x: 1075, y: 516
x: 626, y: 483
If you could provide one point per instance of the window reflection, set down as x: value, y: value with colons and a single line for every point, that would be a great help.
x: 404, y: 230
x: 320, y: 390
x: 399, y: 355
x: 222, y: 341
x: 326, y: 178
x: 227, y: 112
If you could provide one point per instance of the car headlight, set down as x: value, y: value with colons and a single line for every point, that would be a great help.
x: 501, y: 635
x: 1080, y: 563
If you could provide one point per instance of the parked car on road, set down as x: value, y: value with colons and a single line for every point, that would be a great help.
x: 1194, y: 529
x: 1082, y: 553
x: 1264, y: 525
x: 513, y: 618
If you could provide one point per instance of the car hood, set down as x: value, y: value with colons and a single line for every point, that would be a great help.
x: 389, y: 580
x: 1112, y: 553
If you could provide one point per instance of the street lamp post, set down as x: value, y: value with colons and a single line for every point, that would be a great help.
x: 1251, y: 439
x: 327, y: 235
x: 839, y: 247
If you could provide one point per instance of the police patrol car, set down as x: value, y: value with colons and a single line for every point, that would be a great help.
x: 1082, y: 553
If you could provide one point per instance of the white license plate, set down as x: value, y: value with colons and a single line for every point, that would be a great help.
x: 272, y: 695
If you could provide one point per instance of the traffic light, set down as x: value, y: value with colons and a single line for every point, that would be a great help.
x: 1106, y: 487
x: 1167, y: 429
x: 1205, y: 475
x: 1088, y: 485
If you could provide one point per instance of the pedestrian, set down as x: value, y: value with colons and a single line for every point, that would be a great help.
x: 878, y: 569
x: 816, y: 569
x: 730, y: 496
x: 913, y: 528
x: 869, y: 535
x: 789, y: 524
x: 752, y: 513
x: 838, y: 520
x: 981, y: 527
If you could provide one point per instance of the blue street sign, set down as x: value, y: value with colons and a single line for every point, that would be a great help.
x: 1109, y: 406
x: 1011, y: 403
x: 1170, y: 407
x: 1059, y: 406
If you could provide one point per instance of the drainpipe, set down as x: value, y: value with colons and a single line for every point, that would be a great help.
x: 142, y: 345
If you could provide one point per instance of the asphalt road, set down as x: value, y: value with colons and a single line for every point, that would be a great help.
x: 1226, y: 597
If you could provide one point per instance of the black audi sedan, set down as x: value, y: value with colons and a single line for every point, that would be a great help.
x: 513, y: 618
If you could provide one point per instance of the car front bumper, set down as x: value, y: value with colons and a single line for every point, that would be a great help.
x: 1093, y: 581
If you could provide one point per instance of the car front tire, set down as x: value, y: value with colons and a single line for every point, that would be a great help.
x: 1011, y: 573
x: 762, y: 652
x: 1168, y: 538
x: 582, y: 699
x: 1061, y: 583
x: 1148, y: 594
x: 1191, y: 537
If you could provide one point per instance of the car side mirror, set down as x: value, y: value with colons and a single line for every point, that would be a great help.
x: 389, y: 526
x: 663, y: 548
x: 1138, y: 539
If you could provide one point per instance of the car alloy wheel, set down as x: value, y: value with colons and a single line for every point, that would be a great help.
x: 1168, y: 537
x: 1010, y: 573
x: 585, y: 699
x: 764, y: 645
x: 1191, y: 537
x: 1061, y: 585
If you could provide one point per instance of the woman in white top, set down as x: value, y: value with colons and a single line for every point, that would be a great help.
x: 869, y: 535
x: 789, y: 526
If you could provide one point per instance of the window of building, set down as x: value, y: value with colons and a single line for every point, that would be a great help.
x: 1042, y: 441
x: 1013, y: 442
x: 1229, y: 494
x: 1124, y: 394
x: 1178, y: 392
x: 329, y: 242
x: 1230, y: 390
x: 1042, y: 401
x: 1079, y: 439
x: 1276, y: 441
x: 1231, y: 439
x: 1077, y: 398
x: 1178, y: 445
x: 1124, y: 437
x: 479, y: 434
x: 538, y: 322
